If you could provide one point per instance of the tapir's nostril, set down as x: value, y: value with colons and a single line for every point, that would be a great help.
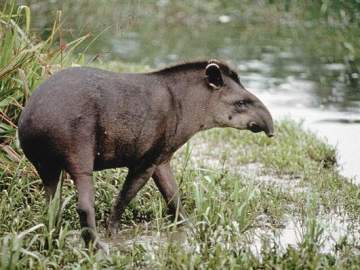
x: 254, y: 127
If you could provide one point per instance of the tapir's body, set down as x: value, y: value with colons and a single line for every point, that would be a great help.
x: 86, y: 119
x: 119, y: 119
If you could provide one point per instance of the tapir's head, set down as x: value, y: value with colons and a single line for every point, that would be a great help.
x: 231, y: 105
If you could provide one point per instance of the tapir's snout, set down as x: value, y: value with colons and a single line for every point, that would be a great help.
x: 263, y: 122
x: 268, y: 124
x: 269, y: 130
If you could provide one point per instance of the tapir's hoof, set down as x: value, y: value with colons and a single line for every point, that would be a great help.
x: 102, y: 246
x: 112, y: 229
x: 183, y: 222
x: 111, y: 232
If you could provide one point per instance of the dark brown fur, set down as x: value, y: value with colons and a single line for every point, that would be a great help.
x: 227, y: 70
x: 86, y: 119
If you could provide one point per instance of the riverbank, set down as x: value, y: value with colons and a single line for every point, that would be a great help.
x: 253, y: 202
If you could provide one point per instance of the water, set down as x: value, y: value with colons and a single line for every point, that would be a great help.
x: 293, y: 66
x: 331, y: 120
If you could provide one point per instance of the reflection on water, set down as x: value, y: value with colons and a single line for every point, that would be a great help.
x: 281, y: 60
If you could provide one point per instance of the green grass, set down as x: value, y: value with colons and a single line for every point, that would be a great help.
x: 224, y: 206
x: 25, y: 61
x: 239, y: 189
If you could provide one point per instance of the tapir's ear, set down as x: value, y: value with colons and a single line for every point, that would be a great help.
x: 213, y: 75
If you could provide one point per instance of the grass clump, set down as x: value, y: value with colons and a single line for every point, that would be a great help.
x: 25, y: 61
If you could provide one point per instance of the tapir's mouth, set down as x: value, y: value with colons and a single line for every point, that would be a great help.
x: 252, y: 126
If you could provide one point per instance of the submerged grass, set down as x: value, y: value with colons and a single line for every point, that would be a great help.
x: 230, y: 210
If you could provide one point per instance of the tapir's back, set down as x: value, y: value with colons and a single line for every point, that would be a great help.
x: 68, y: 93
x: 75, y: 105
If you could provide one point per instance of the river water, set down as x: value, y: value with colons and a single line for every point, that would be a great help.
x: 294, y: 96
x: 292, y: 65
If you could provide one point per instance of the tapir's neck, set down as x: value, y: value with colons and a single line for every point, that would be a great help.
x: 190, y: 98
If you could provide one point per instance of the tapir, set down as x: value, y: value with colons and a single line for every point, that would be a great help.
x: 86, y: 119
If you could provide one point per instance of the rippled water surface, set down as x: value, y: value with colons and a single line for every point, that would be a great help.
x: 293, y: 66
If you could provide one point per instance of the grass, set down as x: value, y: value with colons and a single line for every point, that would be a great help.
x: 224, y: 205
x: 25, y: 62
x: 241, y: 191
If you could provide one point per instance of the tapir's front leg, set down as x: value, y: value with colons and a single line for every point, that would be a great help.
x: 165, y: 181
x: 135, y: 180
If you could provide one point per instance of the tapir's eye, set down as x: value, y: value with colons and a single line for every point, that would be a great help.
x: 240, y: 104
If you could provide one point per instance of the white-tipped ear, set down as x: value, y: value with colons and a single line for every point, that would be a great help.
x: 213, y: 75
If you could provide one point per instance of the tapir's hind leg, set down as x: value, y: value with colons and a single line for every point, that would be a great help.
x: 49, y: 174
x: 80, y: 166
x: 85, y: 207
